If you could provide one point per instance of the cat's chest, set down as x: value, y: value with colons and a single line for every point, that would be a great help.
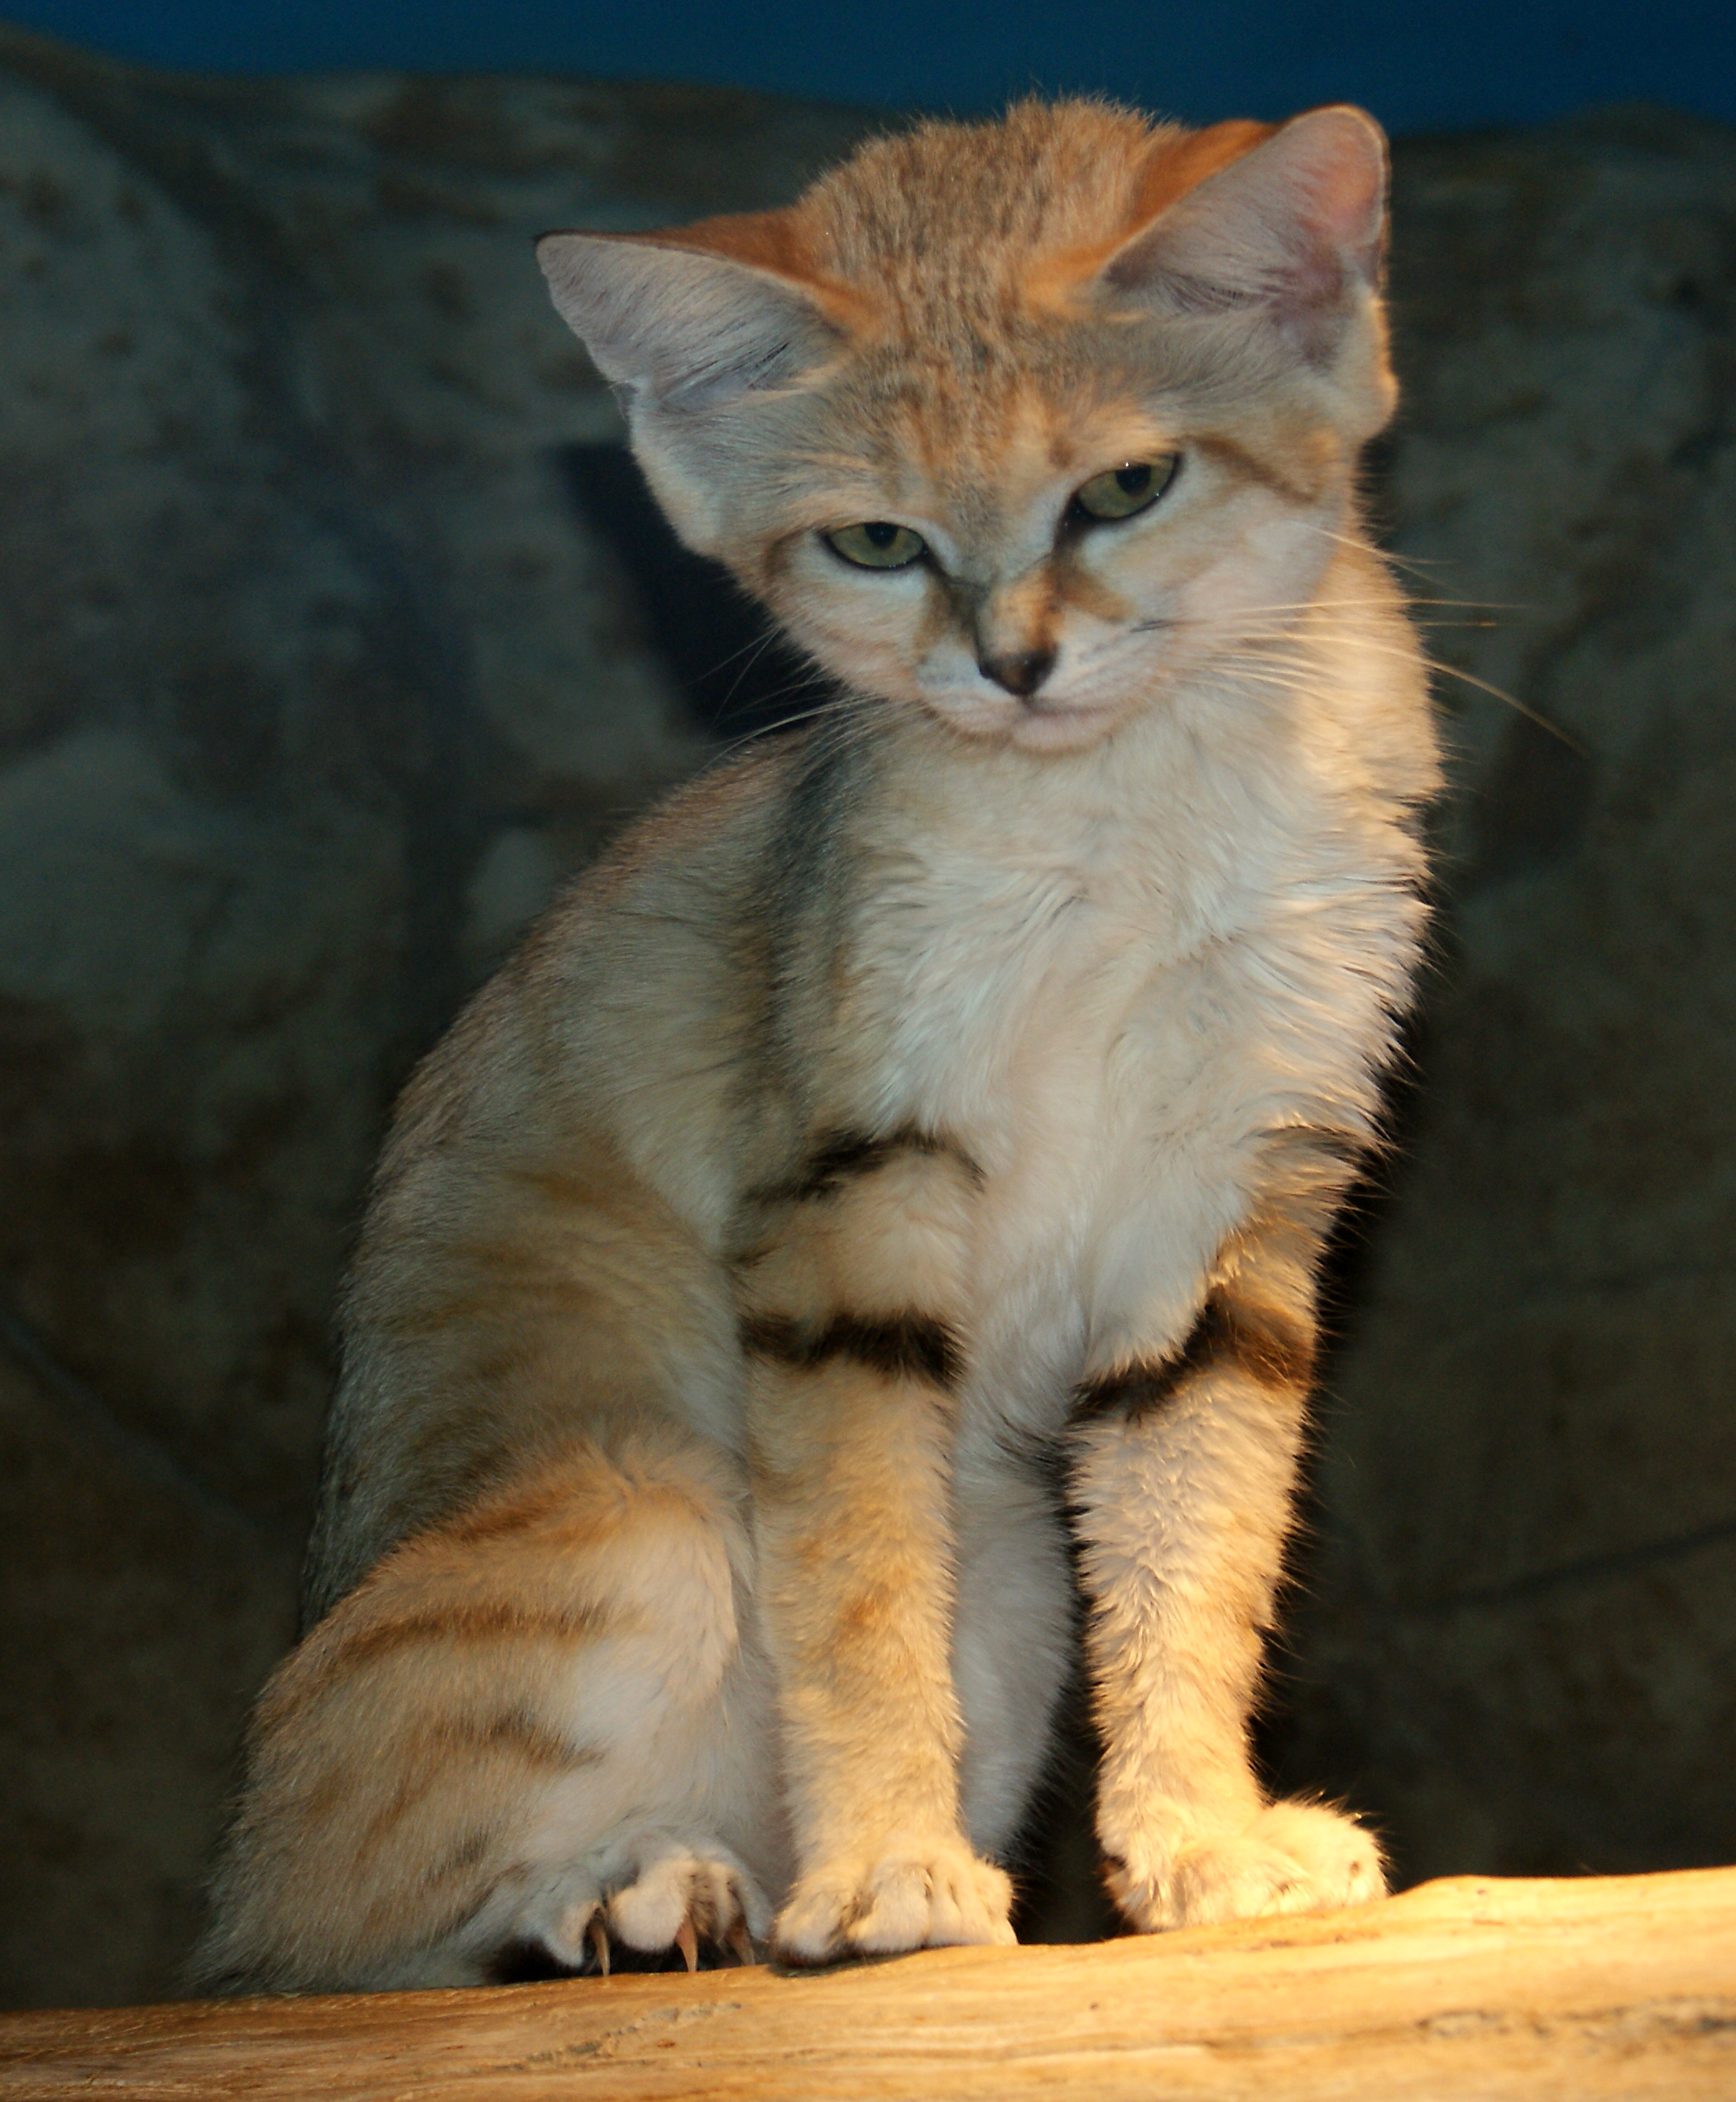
x: 1115, y: 1042
x: 1017, y: 1006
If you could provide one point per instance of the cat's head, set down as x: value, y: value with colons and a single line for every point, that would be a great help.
x: 1021, y: 422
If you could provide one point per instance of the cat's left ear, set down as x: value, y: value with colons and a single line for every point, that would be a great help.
x: 1295, y: 229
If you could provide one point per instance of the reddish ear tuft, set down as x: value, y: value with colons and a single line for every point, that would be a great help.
x: 679, y: 324
x: 779, y: 243
x: 1293, y: 219
x: 1177, y: 165
x: 774, y: 240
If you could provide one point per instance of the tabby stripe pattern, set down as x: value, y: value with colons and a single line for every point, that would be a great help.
x: 1274, y: 1349
x: 907, y: 1346
x: 844, y: 1156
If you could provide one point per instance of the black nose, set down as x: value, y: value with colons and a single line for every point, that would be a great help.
x: 1021, y: 672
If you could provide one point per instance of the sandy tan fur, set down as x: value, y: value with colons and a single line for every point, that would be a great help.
x: 975, y: 1071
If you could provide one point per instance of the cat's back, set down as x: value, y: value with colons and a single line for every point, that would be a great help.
x: 626, y: 1009
x: 577, y: 1137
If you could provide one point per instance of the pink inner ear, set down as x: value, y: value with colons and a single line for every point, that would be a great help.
x: 1343, y: 171
x: 1287, y: 224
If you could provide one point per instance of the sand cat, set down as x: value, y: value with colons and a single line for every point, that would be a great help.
x: 881, y: 1203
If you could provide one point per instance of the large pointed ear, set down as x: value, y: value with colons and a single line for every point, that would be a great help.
x: 1296, y: 226
x: 689, y: 318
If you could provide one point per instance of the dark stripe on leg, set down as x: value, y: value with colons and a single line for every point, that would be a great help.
x: 487, y: 1619
x: 1267, y: 1345
x: 905, y: 1346
x: 840, y: 1157
x: 1271, y: 1346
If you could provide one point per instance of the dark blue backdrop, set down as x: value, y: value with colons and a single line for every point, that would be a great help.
x: 1440, y: 64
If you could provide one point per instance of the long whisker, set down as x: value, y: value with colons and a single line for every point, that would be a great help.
x: 1277, y: 667
x: 794, y: 687
x: 1354, y: 606
x: 753, y: 653
x: 752, y: 650
x: 795, y: 692
x: 1500, y: 693
x: 846, y: 712
x: 1484, y: 686
x: 1417, y: 567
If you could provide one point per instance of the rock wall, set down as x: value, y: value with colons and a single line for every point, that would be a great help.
x: 333, y: 635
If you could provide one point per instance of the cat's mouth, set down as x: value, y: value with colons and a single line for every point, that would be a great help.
x: 1090, y: 692
x: 1042, y: 723
x: 1050, y: 723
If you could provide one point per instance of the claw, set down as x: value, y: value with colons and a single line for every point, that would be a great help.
x: 599, y: 1936
x: 741, y: 1942
x: 689, y: 1943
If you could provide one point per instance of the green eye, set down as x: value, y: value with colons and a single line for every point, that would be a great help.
x: 878, y: 545
x: 1124, y: 490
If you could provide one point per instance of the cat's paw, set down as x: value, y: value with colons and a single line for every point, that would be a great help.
x: 663, y: 1893
x: 1295, y: 1857
x: 931, y: 1893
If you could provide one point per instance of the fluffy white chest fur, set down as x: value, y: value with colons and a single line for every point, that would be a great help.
x: 1117, y: 990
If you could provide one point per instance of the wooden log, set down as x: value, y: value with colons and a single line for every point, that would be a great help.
x: 1473, y: 1988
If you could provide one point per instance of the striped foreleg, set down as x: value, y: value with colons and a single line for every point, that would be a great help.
x: 849, y: 1324
x: 1184, y: 1488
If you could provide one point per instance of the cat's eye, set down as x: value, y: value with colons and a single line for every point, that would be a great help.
x: 879, y: 544
x: 1124, y: 490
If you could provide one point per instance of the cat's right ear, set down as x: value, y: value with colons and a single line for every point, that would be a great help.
x: 1289, y: 232
x: 692, y: 327
x: 679, y: 327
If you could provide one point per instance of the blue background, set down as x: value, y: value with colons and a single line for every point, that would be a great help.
x: 1419, y: 67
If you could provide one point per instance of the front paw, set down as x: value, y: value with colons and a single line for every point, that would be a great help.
x: 1295, y: 1857
x: 914, y: 1893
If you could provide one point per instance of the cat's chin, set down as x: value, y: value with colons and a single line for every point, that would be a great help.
x: 1063, y: 729
x: 1034, y: 729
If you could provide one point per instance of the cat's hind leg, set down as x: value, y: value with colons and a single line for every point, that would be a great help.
x: 543, y: 1721
x: 645, y: 1888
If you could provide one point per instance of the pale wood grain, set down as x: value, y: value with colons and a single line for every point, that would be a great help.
x: 1604, y: 1987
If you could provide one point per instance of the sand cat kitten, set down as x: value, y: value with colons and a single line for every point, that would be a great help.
x: 972, y: 1074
